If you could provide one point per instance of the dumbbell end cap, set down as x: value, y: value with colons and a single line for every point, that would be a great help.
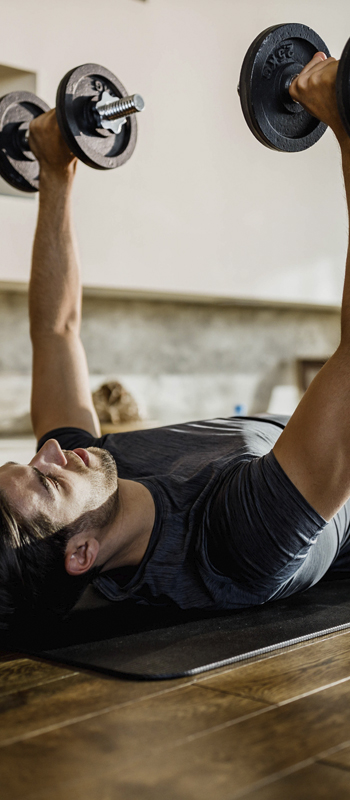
x: 139, y: 102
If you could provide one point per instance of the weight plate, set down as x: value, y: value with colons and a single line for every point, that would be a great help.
x: 18, y: 165
x: 76, y: 94
x: 274, y: 58
x: 343, y: 87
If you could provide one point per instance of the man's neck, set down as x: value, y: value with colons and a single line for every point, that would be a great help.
x: 127, y: 539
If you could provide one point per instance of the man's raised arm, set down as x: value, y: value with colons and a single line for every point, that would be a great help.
x: 314, y: 448
x: 60, y: 391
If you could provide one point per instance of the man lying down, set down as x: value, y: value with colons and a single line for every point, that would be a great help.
x: 219, y: 514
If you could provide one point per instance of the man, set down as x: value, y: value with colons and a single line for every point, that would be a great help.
x: 214, y: 514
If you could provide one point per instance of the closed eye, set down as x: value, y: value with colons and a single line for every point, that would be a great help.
x: 54, y: 481
x: 48, y: 481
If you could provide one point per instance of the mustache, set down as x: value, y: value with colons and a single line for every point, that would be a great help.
x: 107, y: 464
x: 70, y: 456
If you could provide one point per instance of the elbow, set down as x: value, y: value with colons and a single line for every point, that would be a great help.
x: 67, y: 327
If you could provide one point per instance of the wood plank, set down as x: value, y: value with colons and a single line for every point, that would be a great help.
x: 88, y: 693
x: 289, y: 674
x: 227, y: 761
x: 21, y: 673
x: 114, y: 740
x: 312, y: 783
x: 163, y: 742
x: 67, y: 697
x: 318, y: 782
x: 340, y: 759
x: 156, y: 727
x: 75, y: 701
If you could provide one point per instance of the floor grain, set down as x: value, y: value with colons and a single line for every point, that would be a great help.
x: 275, y: 727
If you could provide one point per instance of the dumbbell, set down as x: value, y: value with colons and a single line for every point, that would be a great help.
x: 96, y: 117
x: 271, y: 63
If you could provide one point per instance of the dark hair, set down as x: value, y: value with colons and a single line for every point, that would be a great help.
x: 34, y: 584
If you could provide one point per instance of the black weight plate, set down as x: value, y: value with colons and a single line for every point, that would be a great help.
x: 343, y: 87
x: 277, y: 54
x: 18, y: 167
x: 97, y: 147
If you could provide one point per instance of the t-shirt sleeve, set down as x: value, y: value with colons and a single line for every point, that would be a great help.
x: 70, y: 438
x: 261, y: 527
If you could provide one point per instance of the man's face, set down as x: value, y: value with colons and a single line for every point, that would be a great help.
x: 60, y: 484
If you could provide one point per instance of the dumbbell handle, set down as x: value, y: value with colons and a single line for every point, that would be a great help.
x: 113, y: 109
x: 119, y: 107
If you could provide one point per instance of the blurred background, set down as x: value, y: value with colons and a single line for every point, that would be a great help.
x: 212, y: 266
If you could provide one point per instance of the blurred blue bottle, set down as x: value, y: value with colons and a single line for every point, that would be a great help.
x: 240, y: 410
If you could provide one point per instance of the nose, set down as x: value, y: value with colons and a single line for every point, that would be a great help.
x: 49, y: 454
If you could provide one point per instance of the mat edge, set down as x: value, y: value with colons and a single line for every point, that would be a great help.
x: 198, y: 670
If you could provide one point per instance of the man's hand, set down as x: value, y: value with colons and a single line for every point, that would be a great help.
x: 315, y: 89
x: 48, y: 145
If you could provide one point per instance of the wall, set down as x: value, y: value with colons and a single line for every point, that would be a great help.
x: 201, y: 208
x: 181, y: 361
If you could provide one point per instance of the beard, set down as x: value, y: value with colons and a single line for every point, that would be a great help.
x: 107, y: 467
x: 103, y: 479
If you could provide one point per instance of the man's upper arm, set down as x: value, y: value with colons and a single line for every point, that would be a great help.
x: 60, y: 390
x: 314, y: 448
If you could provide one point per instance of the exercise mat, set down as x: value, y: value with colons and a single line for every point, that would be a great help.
x: 144, y: 643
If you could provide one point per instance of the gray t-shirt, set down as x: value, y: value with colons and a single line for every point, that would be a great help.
x: 210, y: 480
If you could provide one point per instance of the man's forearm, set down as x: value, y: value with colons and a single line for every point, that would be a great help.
x: 345, y: 311
x: 55, y: 285
x: 60, y: 392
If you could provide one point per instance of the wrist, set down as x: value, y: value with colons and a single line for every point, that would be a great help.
x: 52, y: 178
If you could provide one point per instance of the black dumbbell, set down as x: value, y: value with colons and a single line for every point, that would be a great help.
x: 275, y: 57
x: 96, y: 117
x: 18, y: 165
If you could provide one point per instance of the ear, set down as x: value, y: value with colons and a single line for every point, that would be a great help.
x: 81, y: 554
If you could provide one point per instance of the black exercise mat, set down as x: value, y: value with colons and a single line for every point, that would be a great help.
x: 143, y: 643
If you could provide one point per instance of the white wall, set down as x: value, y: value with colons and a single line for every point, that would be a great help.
x: 201, y: 208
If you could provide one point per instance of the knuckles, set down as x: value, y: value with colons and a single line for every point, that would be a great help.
x: 306, y: 85
x: 315, y: 90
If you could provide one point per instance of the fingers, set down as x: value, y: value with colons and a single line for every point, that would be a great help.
x: 318, y: 59
x: 314, y: 67
x: 317, y: 63
x: 315, y: 89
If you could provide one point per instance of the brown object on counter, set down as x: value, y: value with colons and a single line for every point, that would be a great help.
x: 114, y: 404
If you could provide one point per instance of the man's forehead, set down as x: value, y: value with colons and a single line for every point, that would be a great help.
x: 7, y: 468
x: 21, y: 484
x: 4, y: 468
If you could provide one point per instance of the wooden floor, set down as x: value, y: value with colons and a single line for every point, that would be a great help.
x: 274, y: 728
